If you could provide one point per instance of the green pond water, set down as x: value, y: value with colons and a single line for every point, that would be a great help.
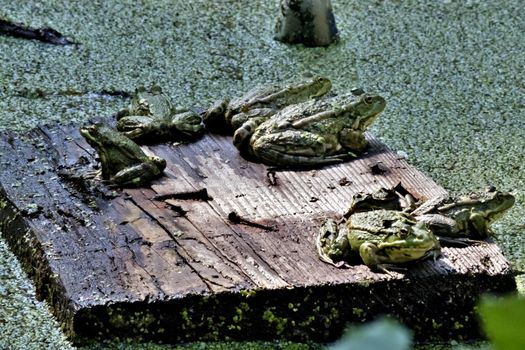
x: 451, y: 72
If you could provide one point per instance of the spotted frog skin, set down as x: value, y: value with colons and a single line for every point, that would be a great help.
x: 122, y: 161
x: 151, y: 117
x: 259, y: 104
x: 468, y: 216
x: 151, y: 103
x: 455, y: 220
x: 381, y: 238
x: 316, y: 132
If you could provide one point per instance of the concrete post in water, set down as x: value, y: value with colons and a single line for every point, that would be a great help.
x: 310, y: 22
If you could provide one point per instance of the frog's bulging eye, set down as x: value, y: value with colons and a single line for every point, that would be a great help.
x: 368, y: 99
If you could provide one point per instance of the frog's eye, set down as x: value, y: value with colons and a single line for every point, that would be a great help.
x: 368, y: 100
x: 500, y: 196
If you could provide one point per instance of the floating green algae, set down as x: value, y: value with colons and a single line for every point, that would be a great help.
x: 450, y: 71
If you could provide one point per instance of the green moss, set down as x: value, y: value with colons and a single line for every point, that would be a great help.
x: 239, y: 315
x: 358, y: 311
x: 309, y: 320
x: 248, y: 293
x: 458, y: 325
x: 186, y: 320
x: 294, y: 307
x: 436, y: 325
x: 279, y: 323
x: 141, y: 322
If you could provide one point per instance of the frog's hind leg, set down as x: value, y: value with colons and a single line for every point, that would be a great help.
x: 294, y: 147
x: 242, y: 135
x: 136, y: 175
x: 278, y: 158
x: 246, y: 123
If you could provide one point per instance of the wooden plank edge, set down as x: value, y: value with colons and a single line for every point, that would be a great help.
x: 436, y: 312
x: 31, y: 254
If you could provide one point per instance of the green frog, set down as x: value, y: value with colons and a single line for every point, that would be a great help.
x: 122, y: 161
x: 382, y: 238
x: 151, y: 103
x: 260, y: 103
x: 468, y: 216
x: 317, y: 131
x: 150, y: 116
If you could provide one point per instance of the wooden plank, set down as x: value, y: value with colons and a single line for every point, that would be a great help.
x: 166, y: 263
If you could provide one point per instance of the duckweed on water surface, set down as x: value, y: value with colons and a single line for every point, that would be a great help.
x: 450, y: 71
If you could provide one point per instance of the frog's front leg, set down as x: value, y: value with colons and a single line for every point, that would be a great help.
x: 295, y: 147
x: 448, y: 230
x: 353, y: 140
x: 187, y: 123
x: 440, y: 225
x: 261, y: 114
x: 332, y: 242
x: 139, y: 174
x: 479, y: 222
x: 369, y: 253
x: 376, y: 260
x: 135, y: 126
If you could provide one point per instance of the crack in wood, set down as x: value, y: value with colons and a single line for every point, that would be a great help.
x: 265, y: 269
x: 174, y: 238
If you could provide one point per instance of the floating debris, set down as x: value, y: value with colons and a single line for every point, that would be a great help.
x: 46, y: 34
x: 309, y: 22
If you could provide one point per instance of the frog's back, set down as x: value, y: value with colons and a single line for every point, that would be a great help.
x: 161, y: 106
x: 279, y: 95
x: 252, y: 99
x: 303, y: 116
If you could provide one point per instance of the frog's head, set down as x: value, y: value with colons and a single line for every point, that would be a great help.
x: 412, y: 241
x: 96, y: 134
x: 215, y: 114
x: 493, y: 204
x: 142, y: 99
x: 319, y: 86
x: 366, y: 109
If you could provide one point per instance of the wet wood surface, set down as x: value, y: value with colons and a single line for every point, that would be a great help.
x: 219, y: 247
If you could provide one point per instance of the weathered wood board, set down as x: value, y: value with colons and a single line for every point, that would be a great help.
x: 165, y: 263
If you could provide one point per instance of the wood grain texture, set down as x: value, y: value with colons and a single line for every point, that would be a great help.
x: 168, y: 263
